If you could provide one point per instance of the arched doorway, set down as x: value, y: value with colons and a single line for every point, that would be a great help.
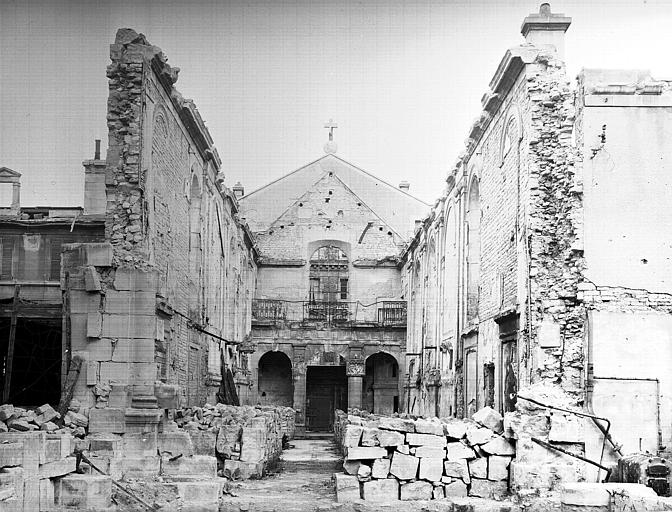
x: 275, y: 384
x: 380, y: 390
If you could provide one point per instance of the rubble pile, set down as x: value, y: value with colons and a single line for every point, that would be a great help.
x: 45, y: 418
x: 410, y: 458
x: 247, y: 440
x: 37, y: 472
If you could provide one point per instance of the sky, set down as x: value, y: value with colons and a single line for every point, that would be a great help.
x: 403, y: 79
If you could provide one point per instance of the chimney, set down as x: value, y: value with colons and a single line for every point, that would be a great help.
x: 95, y: 197
x: 238, y: 190
x: 404, y: 185
x: 546, y: 28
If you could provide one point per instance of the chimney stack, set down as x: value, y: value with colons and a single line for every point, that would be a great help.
x: 546, y: 28
x: 95, y: 195
x: 96, y: 155
x: 238, y: 190
x: 404, y: 185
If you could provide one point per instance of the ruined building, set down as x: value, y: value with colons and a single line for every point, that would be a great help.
x: 140, y: 300
x: 545, y: 263
x: 329, y: 314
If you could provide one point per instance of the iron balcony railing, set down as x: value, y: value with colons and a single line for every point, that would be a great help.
x: 387, y: 313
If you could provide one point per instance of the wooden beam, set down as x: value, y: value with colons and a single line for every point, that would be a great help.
x: 10, y: 347
x: 69, y: 386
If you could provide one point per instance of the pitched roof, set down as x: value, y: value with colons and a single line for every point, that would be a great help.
x: 396, y: 207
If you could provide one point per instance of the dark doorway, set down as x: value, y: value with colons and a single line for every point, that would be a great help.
x: 275, y: 386
x: 326, y: 391
x: 508, y: 335
x: 380, y: 389
x: 36, y: 365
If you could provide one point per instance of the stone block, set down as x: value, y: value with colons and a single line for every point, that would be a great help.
x: 352, y: 436
x: 98, y: 254
x: 6, y: 412
x: 586, y: 494
x: 139, y: 350
x: 566, y: 429
x: 489, y: 418
x: 31, y: 494
x: 390, y: 438
x: 364, y: 473
x: 380, y: 468
x: 130, y: 302
x: 135, y: 280
x: 455, y: 429
x: 47, y: 499
x: 176, y: 443
x: 105, y: 444
x: 423, y: 426
x: 200, y: 465
x: 438, y: 493
x: 94, y: 324
x: 457, y: 469
x: 203, y: 442
x: 488, y: 489
x: 425, y: 440
x: 47, y: 413
x: 413, y: 491
x: 253, y: 444
x: 11, y: 454
x: 498, y: 467
x: 83, y: 492
x: 430, y: 451
x: 227, y: 437
x: 107, y: 421
x: 499, y: 446
x: 431, y: 469
x: 459, y: 450
x: 366, y: 453
x: 199, y: 496
x: 33, y: 444
x: 370, y: 437
x: 167, y: 395
x: 142, y: 444
x: 12, y: 486
x: 141, y: 466
x: 476, y: 436
x: 237, y: 470
x: 478, y: 468
x: 456, y: 489
x: 404, y: 467
x: 7, y: 487
x: 381, y: 491
x: 398, y: 424
x: 52, y: 450
x: 129, y: 326
x: 352, y: 466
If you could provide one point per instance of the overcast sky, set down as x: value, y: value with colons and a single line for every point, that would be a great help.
x: 402, y: 79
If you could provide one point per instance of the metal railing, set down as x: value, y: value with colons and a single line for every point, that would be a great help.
x: 386, y: 313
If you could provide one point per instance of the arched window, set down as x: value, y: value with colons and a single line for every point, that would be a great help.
x: 328, y: 275
x: 473, y: 250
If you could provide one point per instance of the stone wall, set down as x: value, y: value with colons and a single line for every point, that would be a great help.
x: 410, y: 458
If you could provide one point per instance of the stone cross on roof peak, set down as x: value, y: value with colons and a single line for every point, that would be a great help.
x: 330, y: 146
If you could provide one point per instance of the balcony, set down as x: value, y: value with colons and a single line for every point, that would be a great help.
x: 382, y: 313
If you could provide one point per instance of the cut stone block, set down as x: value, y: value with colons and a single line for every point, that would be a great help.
x: 196, y: 465
x: 438, y: 493
x: 404, y: 467
x: 403, y: 448
x: 141, y: 467
x: 108, y: 420
x: 253, y: 444
x: 351, y: 466
x: 423, y: 426
x: 489, y: 418
x: 430, y: 451
x: 456, y: 489
x: 364, y: 473
x: 58, y: 468
x: 488, y: 489
x: 352, y: 436
x: 11, y: 454
x: 380, y: 468
x: 398, y: 424
x: 141, y: 445
x: 459, y: 450
x: 199, y: 496
x: 566, y: 429
x: 84, y: 492
x: 227, y: 438
x: 176, y: 443
x: 6, y: 412
x: 498, y: 467
x: 479, y: 436
x: 455, y: 429
x: 431, y: 469
x: 366, y: 453
x: 370, y: 437
x: 203, y: 441
x: 390, y: 438
x: 416, y: 491
x: 347, y: 488
x: 237, y: 470
x: 105, y: 444
x: 499, y: 446
x: 381, y: 491
x: 457, y: 469
x: 478, y: 468
x: 425, y: 440
x: 47, y: 499
x: 33, y: 444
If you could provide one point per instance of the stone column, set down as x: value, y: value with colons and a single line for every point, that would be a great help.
x: 355, y: 370
x: 299, y: 375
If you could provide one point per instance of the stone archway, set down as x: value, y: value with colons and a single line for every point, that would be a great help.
x: 275, y: 384
x: 380, y: 389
